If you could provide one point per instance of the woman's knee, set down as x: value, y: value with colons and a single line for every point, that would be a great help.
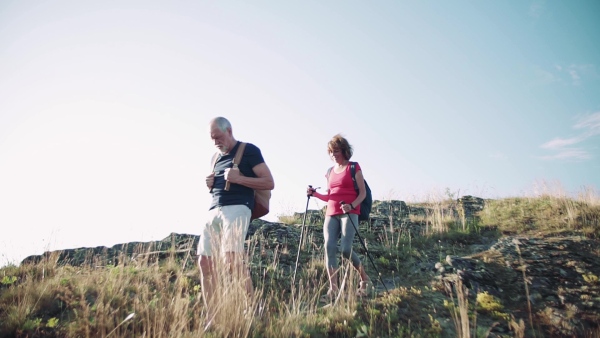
x: 346, y: 252
x: 331, y: 246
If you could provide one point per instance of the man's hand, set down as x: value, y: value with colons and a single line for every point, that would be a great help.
x: 232, y: 175
x: 210, y: 180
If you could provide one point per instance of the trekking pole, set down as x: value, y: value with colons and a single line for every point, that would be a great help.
x: 366, y: 250
x: 301, y: 237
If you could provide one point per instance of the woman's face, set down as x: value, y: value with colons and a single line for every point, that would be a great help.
x: 337, y: 155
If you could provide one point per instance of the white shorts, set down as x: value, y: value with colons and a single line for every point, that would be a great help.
x: 225, y: 231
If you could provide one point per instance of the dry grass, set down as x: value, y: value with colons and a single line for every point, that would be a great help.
x: 545, y: 211
x: 164, y: 299
x: 459, y: 308
x: 438, y: 214
x: 145, y: 299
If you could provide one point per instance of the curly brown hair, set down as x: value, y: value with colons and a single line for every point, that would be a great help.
x: 340, y: 142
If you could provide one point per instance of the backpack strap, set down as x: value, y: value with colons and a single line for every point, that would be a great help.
x: 353, y: 172
x: 213, y: 164
x: 238, y: 155
x: 213, y: 161
x: 236, y: 160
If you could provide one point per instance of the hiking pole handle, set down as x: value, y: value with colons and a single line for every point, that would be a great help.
x: 310, y: 187
x: 342, y: 203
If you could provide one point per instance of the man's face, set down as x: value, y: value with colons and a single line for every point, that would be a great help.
x: 220, y: 138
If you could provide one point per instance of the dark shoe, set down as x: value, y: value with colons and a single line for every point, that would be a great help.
x: 365, y: 289
x: 330, y: 296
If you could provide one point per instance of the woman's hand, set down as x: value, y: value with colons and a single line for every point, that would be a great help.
x: 310, y: 190
x: 346, y: 207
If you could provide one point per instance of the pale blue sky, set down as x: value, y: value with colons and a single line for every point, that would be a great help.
x: 104, y: 105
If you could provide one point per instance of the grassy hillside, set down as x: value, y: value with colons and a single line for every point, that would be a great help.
x: 143, y: 297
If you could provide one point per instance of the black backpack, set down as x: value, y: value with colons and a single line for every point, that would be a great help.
x: 366, y: 204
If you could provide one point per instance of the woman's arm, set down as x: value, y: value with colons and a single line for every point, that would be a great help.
x: 313, y: 192
x: 362, y: 190
x: 322, y: 197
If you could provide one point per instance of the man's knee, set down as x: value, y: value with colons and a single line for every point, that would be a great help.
x: 234, y: 258
x: 205, y: 264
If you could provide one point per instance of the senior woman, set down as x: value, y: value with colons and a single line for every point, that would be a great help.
x: 343, y: 208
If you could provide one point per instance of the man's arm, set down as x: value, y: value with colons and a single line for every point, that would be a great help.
x: 262, y: 181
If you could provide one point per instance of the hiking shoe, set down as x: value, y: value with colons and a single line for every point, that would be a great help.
x: 365, y: 289
x: 330, y: 296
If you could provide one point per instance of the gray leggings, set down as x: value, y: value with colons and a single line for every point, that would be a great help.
x: 332, y: 227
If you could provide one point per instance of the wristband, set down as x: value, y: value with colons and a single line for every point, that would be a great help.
x: 351, y: 206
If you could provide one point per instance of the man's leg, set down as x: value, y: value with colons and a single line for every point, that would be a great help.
x: 240, y: 270
x: 236, y: 220
x: 209, y: 238
x: 208, y: 279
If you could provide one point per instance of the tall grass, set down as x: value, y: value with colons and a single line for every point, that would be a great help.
x: 437, y: 216
x: 547, y: 209
x: 150, y: 298
x: 164, y: 299
x: 459, y: 308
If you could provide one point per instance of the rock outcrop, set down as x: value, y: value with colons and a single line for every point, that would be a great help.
x: 556, y: 276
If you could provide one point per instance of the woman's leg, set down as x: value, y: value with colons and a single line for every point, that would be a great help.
x: 331, y: 232
x: 348, y: 232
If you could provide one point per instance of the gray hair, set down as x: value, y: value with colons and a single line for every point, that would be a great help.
x: 222, y: 123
